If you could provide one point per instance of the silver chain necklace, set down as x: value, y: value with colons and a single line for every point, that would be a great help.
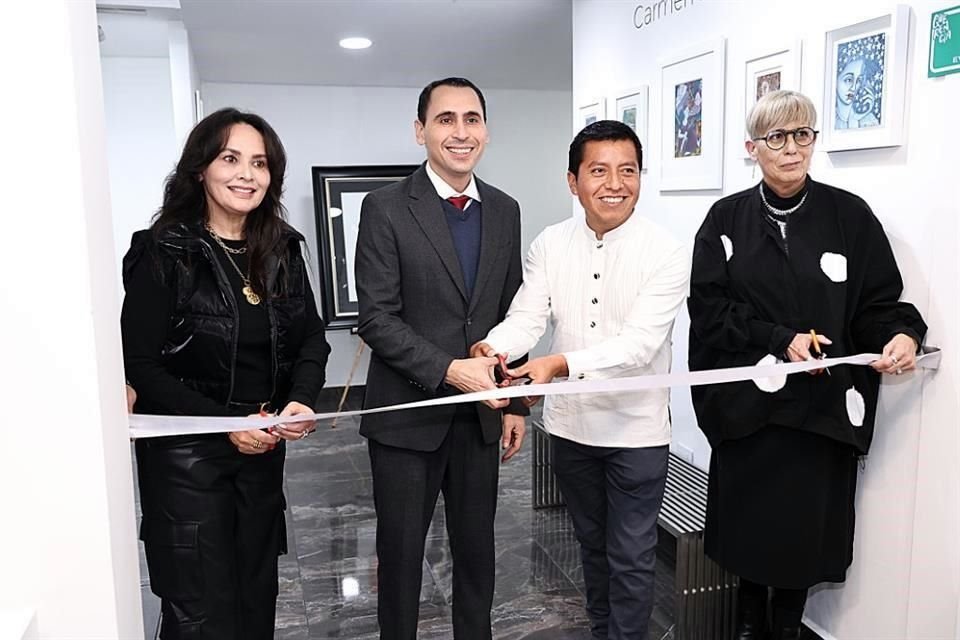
x: 781, y: 212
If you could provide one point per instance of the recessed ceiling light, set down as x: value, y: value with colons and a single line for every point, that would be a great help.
x: 356, y: 43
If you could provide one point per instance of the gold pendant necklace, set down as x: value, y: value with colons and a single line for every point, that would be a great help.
x: 248, y: 292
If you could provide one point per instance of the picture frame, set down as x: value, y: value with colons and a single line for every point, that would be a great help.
x: 633, y: 109
x: 768, y: 69
x: 337, y: 195
x: 592, y: 110
x: 693, y: 85
x: 865, y: 80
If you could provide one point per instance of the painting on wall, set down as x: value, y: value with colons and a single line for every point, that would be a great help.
x: 859, y: 83
x: 590, y: 112
x: 692, y: 86
x: 338, y: 193
x: 767, y: 69
x: 687, y: 121
x: 632, y: 109
x: 865, y: 82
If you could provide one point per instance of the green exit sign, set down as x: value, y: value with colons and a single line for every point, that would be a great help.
x: 944, y: 42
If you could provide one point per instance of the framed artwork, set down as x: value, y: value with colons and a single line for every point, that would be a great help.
x: 865, y: 79
x: 633, y: 109
x: 593, y: 110
x: 692, y: 90
x: 337, y: 195
x: 776, y: 67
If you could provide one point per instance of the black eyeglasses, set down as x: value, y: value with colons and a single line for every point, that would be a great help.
x: 776, y: 139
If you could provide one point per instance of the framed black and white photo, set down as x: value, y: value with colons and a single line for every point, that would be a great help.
x: 338, y: 193
x: 865, y: 80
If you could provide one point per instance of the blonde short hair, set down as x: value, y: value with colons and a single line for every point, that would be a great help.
x: 777, y: 109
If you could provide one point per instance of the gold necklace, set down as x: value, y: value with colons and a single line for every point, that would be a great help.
x: 247, y: 290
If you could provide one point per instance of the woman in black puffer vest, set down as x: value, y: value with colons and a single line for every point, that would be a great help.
x: 219, y: 320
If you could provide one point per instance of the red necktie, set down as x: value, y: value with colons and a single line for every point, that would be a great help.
x: 459, y: 201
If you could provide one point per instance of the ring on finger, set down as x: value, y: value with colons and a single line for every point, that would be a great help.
x: 894, y: 359
x: 257, y: 444
x: 304, y: 434
x: 899, y: 370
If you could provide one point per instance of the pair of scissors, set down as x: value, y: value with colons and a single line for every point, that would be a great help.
x: 816, y: 348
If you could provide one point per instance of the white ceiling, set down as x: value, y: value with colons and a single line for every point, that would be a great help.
x: 506, y: 44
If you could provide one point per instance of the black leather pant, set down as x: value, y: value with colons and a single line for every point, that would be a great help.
x: 213, y: 527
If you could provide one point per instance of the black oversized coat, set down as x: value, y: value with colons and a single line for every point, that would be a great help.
x: 750, y: 293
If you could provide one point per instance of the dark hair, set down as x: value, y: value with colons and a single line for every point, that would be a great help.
x: 424, y: 100
x: 185, y: 201
x: 599, y: 131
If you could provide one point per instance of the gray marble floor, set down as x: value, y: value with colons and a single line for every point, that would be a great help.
x: 328, y: 578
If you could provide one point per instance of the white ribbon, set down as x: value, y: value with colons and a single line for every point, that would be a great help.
x: 149, y: 426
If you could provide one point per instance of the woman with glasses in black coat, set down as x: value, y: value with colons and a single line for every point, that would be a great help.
x: 786, y: 271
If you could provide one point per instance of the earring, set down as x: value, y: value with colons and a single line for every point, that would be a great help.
x: 753, y: 173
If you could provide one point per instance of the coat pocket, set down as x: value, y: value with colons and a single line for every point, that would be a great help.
x: 173, y: 558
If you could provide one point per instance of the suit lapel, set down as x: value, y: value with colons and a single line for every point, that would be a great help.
x: 489, y: 241
x: 426, y: 209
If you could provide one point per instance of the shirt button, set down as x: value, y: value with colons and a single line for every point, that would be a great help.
x: 469, y: 321
x: 596, y: 276
x: 580, y: 377
x: 599, y: 245
x: 594, y: 301
x: 592, y: 324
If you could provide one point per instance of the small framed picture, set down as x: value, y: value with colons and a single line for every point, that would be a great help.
x: 590, y: 112
x: 692, y: 84
x: 770, y: 69
x: 338, y: 193
x: 632, y: 109
x: 865, y: 79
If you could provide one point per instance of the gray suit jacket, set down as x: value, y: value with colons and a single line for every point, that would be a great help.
x: 414, y: 312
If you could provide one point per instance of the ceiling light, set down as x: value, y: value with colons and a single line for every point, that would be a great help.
x: 356, y: 43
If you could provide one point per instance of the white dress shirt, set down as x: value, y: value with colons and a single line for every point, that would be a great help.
x: 612, y: 304
x: 445, y: 191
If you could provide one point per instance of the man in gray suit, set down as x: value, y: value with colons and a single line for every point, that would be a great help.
x: 438, y: 262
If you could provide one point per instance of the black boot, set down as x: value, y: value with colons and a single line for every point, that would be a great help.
x: 786, y: 632
x: 751, y: 611
x: 787, y: 611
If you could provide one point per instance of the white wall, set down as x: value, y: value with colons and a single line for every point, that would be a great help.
x: 319, y: 126
x: 141, y: 140
x: 904, y: 581
x: 68, y: 538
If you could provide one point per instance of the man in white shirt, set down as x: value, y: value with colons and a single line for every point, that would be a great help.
x: 611, y: 285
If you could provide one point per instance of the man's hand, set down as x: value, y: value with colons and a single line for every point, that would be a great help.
x: 514, y: 428
x: 474, y: 374
x: 541, y: 371
x: 482, y: 350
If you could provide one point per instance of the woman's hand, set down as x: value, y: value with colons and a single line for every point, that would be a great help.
x: 899, y: 355
x: 295, y: 430
x: 254, y: 441
x: 799, y: 349
x: 131, y: 398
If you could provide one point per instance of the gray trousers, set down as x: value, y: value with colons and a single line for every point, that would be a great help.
x: 614, y: 495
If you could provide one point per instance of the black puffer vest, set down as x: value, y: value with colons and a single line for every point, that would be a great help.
x: 201, y: 342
